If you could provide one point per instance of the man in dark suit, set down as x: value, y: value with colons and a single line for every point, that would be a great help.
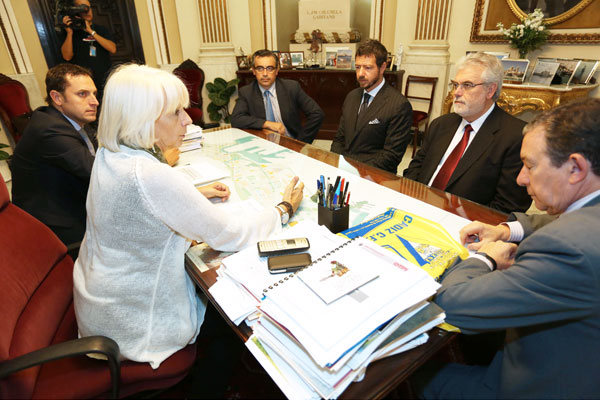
x: 545, y: 292
x: 376, y: 118
x: 52, y: 162
x: 272, y: 103
x: 482, y: 164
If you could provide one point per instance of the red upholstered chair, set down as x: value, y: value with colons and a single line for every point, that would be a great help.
x: 15, y: 109
x: 420, y: 116
x: 193, y: 77
x: 40, y: 355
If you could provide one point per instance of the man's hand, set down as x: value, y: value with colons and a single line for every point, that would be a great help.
x: 503, y: 253
x: 476, y: 234
x: 277, y: 127
x: 293, y: 194
x: 216, y: 189
x: 172, y: 156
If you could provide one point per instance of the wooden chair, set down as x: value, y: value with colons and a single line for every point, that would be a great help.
x: 420, y: 116
x: 15, y: 109
x: 193, y: 77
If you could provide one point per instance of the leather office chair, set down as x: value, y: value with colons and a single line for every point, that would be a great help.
x: 40, y: 355
x: 420, y: 116
x: 193, y: 77
x: 15, y: 109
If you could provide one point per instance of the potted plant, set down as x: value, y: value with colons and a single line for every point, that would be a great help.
x: 4, y: 155
x: 219, y: 93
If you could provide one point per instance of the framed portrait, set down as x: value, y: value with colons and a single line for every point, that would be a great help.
x: 584, y: 72
x: 330, y: 58
x: 285, y: 60
x: 243, y: 62
x: 344, y: 59
x: 569, y: 22
x: 566, y: 70
x: 297, y: 58
x: 514, y: 70
x: 544, y: 71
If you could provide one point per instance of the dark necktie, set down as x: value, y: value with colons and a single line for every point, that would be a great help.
x: 444, y: 174
x: 365, y: 103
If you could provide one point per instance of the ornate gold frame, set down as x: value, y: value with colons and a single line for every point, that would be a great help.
x: 554, y: 20
x: 478, y: 35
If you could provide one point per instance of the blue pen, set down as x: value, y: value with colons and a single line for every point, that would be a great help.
x: 336, y: 197
x: 323, y: 189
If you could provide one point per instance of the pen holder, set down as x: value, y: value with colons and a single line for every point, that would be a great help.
x: 335, y: 220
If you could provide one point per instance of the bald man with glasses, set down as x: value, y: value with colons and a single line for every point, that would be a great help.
x: 474, y: 151
x: 274, y: 104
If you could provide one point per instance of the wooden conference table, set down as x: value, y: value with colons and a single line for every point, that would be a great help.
x: 384, y: 375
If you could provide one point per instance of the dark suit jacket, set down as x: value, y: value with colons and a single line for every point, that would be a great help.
x: 549, y: 303
x: 380, y: 136
x: 487, y: 172
x: 51, y: 169
x: 249, y: 110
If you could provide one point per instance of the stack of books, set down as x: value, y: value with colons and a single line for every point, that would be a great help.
x: 315, y: 331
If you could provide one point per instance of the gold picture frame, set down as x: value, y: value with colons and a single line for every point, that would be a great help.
x: 489, y: 12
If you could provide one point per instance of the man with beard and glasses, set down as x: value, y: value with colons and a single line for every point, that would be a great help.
x: 376, y: 118
x: 474, y: 151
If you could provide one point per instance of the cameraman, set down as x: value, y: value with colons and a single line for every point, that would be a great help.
x: 87, y: 44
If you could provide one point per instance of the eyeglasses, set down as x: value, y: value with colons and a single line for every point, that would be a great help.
x: 261, y: 69
x: 465, y: 85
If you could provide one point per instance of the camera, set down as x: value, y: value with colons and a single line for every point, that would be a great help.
x: 66, y: 8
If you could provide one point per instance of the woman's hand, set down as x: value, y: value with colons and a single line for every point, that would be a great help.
x: 293, y: 193
x: 215, y: 189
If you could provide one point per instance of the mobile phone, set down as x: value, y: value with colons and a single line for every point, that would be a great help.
x: 282, y: 246
x: 288, y: 262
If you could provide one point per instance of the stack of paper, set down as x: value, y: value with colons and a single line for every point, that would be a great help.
x: 319, y: 328
x: 193, y: 138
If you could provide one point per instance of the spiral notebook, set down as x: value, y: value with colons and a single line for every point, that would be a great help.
x: 330, y: 317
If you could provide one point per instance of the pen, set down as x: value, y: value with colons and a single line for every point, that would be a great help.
x: 345, y: 191
x: 348, y: 199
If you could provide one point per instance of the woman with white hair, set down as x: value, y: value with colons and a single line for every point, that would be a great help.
x: 130, y: 283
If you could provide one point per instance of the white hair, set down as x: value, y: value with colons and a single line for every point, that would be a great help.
x: 135, y: 96
x: 492, y: 68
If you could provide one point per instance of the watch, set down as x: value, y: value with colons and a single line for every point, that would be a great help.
x: 285, y: 217
x: 489, y: 258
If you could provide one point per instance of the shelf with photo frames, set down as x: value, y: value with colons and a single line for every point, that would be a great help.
x: 562, y: 71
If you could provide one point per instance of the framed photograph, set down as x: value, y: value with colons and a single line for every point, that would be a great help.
x: 585, y: 71
x: 566, y: 70
x: 242, y: 62
x: 500, y: 54
x: 544, y: 71
x: 344, y: 59
x: 331, y: 58
x: 514, y: 70
x: 285, y: 60
x: 297, y: 58
x: 390, y: 62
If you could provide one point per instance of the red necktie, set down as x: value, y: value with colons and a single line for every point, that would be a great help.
x: 444, y: 174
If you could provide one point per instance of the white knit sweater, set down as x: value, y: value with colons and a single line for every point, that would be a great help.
x: 130, y: 282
